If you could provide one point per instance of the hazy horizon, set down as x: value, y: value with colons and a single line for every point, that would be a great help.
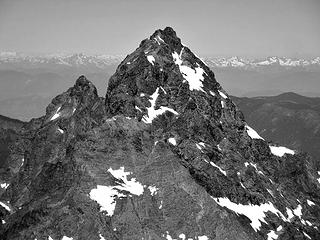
x: 248, y: 28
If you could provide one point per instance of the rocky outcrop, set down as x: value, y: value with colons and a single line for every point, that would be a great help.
x: 166, y: 155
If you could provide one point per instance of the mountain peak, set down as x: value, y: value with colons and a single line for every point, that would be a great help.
x: 168, y: 155
x: 168, y: 36
x: 160, y: 74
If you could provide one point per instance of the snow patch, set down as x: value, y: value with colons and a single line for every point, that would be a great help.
x: 223, y: 104
x: 106, y: 195
x: 310, y: 203
x: 60, y: 130
x: 193, y: 76
x: 66, y: 238
x: 151, y: 59
x: 212, y: 93
x: 172, y: 141
x: 256, y: 213
x: 161, y: 202
x: 153, y: 190
x: 252, y: 133
x: 4, y: 185
x: 289, y: 213
x: 111, y: 119
x: 153, y: 113
x: 182, y: 236
x: 203, y: 238
x: 131, y: 185
x: 297, y: 211
x: 272, y: 235
x: 280, y: 151
x: 101, y: 237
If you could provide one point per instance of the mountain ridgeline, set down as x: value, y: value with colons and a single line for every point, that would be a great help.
x: 165, y: 155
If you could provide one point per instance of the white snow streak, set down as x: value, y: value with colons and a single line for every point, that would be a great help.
x: 280, y: 151
x: 222, y: 94
x: 5, y: 206
x: 306, y: 235
x: 153, y: 113
x: 151, y: 59
x: 138, y: 109
x: 56, y: 115
x: 221, y: 170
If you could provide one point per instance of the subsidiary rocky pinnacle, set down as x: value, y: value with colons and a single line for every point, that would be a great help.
x: 165, y: 155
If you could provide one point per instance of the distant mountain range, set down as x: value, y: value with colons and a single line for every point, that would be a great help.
x: 100, y: 61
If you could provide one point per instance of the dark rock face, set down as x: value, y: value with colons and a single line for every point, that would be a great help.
x: 166, y: 155
x: 9, y: 133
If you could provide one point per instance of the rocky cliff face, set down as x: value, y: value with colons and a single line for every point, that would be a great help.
x: 166, y: 155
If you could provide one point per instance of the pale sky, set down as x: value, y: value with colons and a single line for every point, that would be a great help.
x: 208, y: 27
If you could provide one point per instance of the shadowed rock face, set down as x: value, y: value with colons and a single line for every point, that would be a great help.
x: 166, y: 155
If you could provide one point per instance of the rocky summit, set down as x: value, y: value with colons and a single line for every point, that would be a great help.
x: 165, y: 155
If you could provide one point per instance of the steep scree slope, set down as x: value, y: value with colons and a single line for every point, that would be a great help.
x: 166, y: 155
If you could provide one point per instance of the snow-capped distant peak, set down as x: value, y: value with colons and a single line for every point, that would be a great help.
x: 103, y: 60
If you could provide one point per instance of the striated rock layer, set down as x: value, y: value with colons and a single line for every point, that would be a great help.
x: 166, y: 155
